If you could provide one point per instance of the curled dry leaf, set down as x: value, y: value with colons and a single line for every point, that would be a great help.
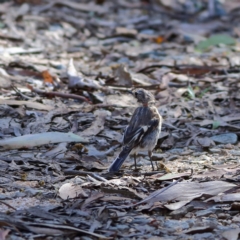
x: 78, y: 81
x: 122, y: 76
x: 70, y: 190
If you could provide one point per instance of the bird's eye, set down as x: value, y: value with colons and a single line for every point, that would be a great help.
x: 136, y: 93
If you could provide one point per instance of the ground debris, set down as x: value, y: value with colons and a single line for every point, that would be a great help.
x: 66, y: 77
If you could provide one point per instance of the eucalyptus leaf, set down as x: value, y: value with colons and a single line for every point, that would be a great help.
x: 215, y: 124
x: 33, y: 140
x: 214, y: 40
x: 191, y: 92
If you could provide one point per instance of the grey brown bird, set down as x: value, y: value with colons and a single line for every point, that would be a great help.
x: 143, y: 130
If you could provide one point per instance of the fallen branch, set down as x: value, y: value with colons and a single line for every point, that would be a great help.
x: 59, y: 94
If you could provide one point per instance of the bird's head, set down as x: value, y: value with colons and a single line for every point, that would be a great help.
x: 143, y: 96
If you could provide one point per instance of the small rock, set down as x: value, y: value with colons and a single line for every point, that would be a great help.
x: 225, y: 138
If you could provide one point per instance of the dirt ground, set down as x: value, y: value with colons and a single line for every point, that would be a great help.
x: 66, y: 72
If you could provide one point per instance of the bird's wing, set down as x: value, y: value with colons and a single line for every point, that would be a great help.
x: 141, y: 124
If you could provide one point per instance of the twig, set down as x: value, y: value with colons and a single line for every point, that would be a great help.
x: 65, y: 228
x: 59, y: 94
x: 8, y: 205
x: 99, y: 177
x: 20, y: 93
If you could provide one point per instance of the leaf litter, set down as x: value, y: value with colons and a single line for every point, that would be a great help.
x: 66, y: 72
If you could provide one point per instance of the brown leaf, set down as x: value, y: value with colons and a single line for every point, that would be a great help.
x: 98, y: 125
x: 76, y: 80
x: 92, y: 198
x: 47, y: 78
x: 122, y: 76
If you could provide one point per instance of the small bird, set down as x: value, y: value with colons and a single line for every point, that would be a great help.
x: 143, y: 130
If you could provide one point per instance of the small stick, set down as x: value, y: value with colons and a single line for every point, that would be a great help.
x: 59, y: 94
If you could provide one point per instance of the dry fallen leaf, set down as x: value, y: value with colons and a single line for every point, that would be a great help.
x: 231, y: 234
x: 185, y: 192
x: 98, y: 124
x: 4, y: 233
x: 70, y: 190
x: 78, y: 81
x: 29, y: 104
x: 38, y: 139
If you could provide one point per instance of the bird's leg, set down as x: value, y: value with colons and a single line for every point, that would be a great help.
x: 150, y: 157
x: 135, y: 160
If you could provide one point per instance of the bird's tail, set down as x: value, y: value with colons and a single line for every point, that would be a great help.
x: 117, y: 163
